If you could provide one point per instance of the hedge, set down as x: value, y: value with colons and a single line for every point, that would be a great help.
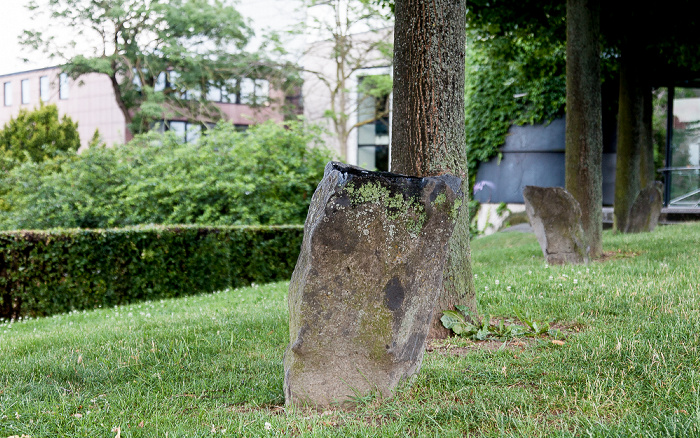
x: 48, y: 272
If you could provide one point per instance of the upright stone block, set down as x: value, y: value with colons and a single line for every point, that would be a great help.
x: 555, y: 217
x: 645, y: 212
x: 362, y: 294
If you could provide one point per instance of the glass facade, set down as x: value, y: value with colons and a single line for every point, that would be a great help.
x: 7, y: 93
x: 26, y: 94
x: 684, y: 165
x: 373, y: 132
x: 44, y: 88
x: 63, y: 89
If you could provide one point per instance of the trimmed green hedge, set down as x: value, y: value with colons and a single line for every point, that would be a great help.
x: 48, y: 272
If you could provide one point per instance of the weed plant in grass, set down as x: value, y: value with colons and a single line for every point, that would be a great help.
x: 211, y: 365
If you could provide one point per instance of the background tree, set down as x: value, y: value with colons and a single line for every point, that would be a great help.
x: 37, y: 134
x: 428, y: 122
x: 354, y: 35
x: 162, y: 56
x: 655, y: 47
x: 34, y: 136
x: 584, y: 121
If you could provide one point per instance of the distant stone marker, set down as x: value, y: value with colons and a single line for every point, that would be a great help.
x: 362, y: 293
x: 555, y: 217
x: 646, y: 209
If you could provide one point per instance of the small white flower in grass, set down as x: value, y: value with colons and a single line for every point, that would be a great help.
x: 575, y: 281
x: 497, y: 282
x: 486, y: 288
x: 508, y: 288
x: 529, y: 272
x: 551, y: 277
x: 268, y: 426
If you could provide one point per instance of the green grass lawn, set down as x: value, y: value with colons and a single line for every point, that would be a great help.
x: 211, y: 365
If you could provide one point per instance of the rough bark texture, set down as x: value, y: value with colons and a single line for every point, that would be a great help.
x: 647, y: 171
x: 584, y: 131
x: 428, y: 121
x: 630, y: 132
x: 362, y: 295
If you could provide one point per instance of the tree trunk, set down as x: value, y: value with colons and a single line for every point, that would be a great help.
x: 128, y: 119
x: 584, y: 131
x: 647, y: 170
x: 630, y: 131
x: 428, y: 122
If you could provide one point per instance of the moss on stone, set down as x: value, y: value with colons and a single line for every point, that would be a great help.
x: 440, y: 199
x: 455, y: 209
x: 410, y: 211
x: 375, y: 333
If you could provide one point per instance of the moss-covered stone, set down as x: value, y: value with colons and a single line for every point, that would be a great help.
x: 362, y: 294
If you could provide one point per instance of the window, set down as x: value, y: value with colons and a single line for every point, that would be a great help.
x: 25, y: 91
x: 230, y: 93
x: 188, y: 132
x: 44, y: 88
x: 63, y: 90
x: 373, y: 135
x: 7, y: 89
x: 214, y: 94
x: 160, y: 83
x: 254, y: 91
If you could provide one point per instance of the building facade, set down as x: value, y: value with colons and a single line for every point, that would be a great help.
x: 91, y: 102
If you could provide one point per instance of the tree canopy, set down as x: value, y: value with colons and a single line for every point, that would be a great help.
x: 163, y: 57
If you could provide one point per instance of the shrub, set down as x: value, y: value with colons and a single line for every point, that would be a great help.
x: 38, y: 134
x: 265, y: 176
x: 47, y: 272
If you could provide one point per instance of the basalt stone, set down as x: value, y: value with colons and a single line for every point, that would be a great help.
x: 362, y: 294
x: 555, y: 217
x: 646, y: 209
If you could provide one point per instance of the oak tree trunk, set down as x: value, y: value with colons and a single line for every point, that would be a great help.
x: 428, y: 135
x: 630, y: 133
x: 584, y: 131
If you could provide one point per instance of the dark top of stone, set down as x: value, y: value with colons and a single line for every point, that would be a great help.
x: 350, y: 172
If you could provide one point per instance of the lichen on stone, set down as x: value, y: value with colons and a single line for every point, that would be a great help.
x: 397, y: 208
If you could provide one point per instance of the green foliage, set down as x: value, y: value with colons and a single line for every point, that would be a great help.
x: 48, y: 272
x: 377, y: 86
x: 461, y: 323
x: 509, y: 81
x: 36, y: 135
x: 196, y: 44
x: 263, y: 176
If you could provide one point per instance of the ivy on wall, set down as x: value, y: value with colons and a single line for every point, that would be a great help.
x: 509, y: 81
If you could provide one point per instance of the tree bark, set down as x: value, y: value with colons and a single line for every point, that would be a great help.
x: 647, y: 169
x: 428, y: 123
x: 584, y: 131
x: 630, y: 136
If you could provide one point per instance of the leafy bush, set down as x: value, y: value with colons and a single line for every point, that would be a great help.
x: 34, y: 136
x: 46, y: 272
x: 38, y: 134
x: 261, y: 177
